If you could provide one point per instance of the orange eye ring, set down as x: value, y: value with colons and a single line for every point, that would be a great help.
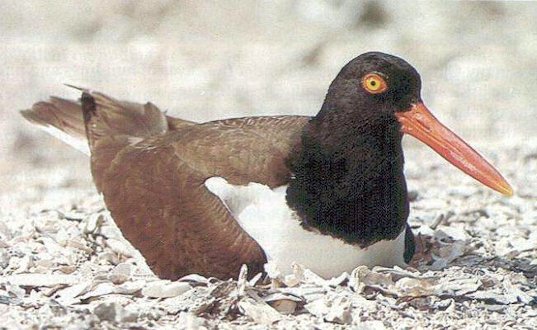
x: 373, y: 83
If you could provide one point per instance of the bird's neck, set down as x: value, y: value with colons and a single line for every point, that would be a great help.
x: 348, y: 178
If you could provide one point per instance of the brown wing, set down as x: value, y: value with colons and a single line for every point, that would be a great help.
x: 156, y: 194
x: 155, y: 188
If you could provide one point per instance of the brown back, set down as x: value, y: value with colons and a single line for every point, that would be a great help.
x: 155, y: 191
x: 151, y: 169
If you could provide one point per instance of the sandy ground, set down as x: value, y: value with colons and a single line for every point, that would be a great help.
x: 65, y: 265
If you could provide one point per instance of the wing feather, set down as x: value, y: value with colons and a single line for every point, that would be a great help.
x: 155, y: 192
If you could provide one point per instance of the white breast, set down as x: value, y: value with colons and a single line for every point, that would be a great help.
x: 264, y: 214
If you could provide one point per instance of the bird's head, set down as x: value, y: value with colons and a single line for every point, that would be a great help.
x: 376, y: 86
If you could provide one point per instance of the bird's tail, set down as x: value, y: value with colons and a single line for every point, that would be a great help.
x: 61, y: 118
x: 100, y: 125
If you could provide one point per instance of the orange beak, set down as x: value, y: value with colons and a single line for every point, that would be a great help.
x: 421, y: 124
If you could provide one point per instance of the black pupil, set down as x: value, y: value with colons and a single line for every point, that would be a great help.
x: 373, y: 83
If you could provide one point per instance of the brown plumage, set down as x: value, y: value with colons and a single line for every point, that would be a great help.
x: 343, y: 170
x: 151, y: 170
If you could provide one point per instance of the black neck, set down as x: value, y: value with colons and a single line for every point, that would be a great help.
x: 348, y: 177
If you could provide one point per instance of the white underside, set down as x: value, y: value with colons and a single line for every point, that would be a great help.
x: 79, y: 144
x: 263, y: 213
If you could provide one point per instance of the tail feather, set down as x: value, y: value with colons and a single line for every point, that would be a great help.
x: 62, y: 119
x: 107, y: 124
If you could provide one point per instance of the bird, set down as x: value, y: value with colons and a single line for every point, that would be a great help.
x: 326, y: 191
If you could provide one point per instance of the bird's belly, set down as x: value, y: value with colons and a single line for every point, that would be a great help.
x: 264, y: 214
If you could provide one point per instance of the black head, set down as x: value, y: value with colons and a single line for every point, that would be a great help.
x: 348, y: 173
x: 349, y: 170
x: 376, y: 83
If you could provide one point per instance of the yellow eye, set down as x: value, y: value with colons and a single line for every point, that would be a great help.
x: 374, y: 83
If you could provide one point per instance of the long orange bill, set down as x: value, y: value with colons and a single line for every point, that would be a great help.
x: 419, y: 122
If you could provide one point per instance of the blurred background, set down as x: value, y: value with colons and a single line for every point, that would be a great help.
x: 205, y: 60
